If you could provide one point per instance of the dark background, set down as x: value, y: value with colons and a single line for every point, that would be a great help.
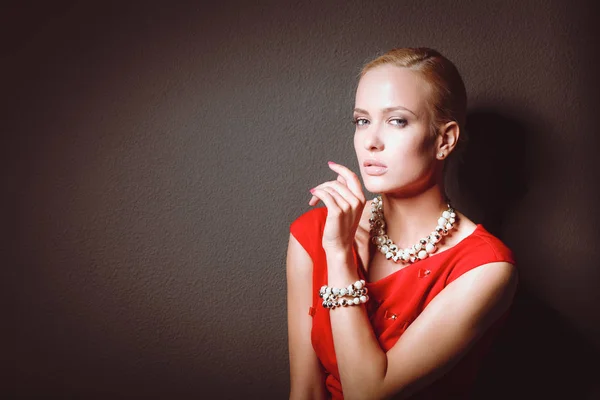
x: 154, y: 154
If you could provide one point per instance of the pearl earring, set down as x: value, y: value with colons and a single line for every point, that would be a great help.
x: 441, y: 155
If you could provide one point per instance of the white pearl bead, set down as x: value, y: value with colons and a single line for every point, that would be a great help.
x: 389, y: 255
x: 343, y: 291
x: 423, y: 254
x: 452, y: 215
x: 363, y: 299
x: 385, y: 249
x: 358, y: 285
x: 448, y: 226
x: 356, y: 300
x: 446, y: 214
x: 430, y: 248
x: 442, y: 221
x: 335, y: 291
x: 405, y: 256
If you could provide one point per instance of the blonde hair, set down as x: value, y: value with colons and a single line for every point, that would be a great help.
x: 448, y: 100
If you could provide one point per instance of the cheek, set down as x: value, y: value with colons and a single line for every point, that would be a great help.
x: 414, y: 155
x: 408, y: 147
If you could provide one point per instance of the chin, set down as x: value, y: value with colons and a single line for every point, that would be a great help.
x: 388, y: 184
x: 378, y: 186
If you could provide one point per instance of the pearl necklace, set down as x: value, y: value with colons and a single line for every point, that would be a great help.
x: 419, y: 251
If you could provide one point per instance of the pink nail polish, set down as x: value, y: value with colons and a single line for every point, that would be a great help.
x: 330, y: 162
x: 312, y: 190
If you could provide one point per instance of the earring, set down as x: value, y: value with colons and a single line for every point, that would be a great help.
x: 441, y: 155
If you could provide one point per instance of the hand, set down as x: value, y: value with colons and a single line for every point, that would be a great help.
x: 345, y: 201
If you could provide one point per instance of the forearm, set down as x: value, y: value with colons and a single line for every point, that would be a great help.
x: 361, y: 361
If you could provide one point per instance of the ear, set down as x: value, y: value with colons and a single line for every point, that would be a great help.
x: 447, y: 139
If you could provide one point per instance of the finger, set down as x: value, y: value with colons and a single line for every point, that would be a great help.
x: 343, y: 190
x: 313, y: 200
x: 341, y: 180
x: 351, y: 179
x: 328, y: 200
x: 339, y: 199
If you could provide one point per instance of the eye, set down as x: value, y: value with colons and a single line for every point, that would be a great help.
x: 360, y: 121
x: 399, y: 122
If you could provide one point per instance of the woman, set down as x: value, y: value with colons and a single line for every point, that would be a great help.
x: 400, y: 295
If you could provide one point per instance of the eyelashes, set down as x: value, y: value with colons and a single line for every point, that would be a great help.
x: 400, y: 122
x: 359, y: 121
x: 394, y: 121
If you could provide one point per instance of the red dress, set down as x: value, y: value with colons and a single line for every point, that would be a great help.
x: 397, y: 299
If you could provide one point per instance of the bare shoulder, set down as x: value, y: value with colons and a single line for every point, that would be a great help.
x: 495, y: 274
x: 487, y: 291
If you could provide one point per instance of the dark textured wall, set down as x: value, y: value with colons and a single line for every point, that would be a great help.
x: 153, y: 156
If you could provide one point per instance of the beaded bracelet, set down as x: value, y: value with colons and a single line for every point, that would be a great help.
x: 334, y: 297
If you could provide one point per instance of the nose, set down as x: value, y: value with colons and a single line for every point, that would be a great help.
x: 372, y: 139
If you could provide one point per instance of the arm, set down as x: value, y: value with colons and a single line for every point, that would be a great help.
x: 434, y: 342
x: 306, y: 376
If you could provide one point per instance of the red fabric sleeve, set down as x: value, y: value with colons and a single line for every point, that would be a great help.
x: 308, y: 230
x: 484, y: 250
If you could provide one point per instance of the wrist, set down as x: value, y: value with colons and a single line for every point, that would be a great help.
x: 341, y: 268
x: 339, y: 255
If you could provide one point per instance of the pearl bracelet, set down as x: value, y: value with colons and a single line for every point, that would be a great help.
x: 334, y: 297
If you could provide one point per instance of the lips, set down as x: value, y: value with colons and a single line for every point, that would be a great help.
x: 374, y: 163
x: 374, y: 167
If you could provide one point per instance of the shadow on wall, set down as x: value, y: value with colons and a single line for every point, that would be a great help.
x: 537, y: 355
x: 493, y: 171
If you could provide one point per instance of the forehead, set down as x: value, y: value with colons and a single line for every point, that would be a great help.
x: 390, y: 86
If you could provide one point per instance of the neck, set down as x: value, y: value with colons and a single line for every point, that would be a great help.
x: 409, y: 219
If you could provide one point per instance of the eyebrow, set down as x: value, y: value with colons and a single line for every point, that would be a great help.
x: 386, y: 110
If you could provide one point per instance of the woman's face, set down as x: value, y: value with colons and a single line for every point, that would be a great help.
x: 394, y: 146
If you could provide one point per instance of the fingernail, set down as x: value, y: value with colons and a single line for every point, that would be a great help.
x: 330, y: 162
x: 312, y: 190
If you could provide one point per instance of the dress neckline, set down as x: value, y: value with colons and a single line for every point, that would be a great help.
x: 363, y: 274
